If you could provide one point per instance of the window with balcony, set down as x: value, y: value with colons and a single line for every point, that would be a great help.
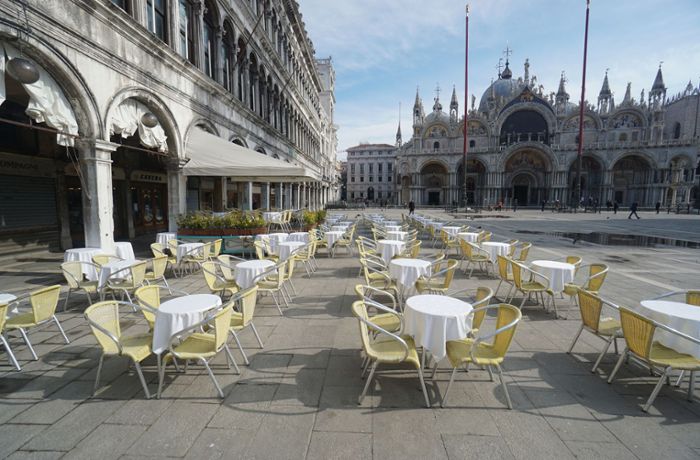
x: 209, y: 42
x: 123, y: 4
x: 156, y: 15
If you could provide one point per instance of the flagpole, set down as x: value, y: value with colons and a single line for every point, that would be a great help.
x: 466, y: 109
x: 581, y: 107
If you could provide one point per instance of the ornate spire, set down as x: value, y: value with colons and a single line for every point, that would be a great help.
x: 506, y: 74
x: 454, y: 102
x: 658, y: 86
x: 562, y: 86
x: 437, y: 107
x: 605, y: 90
x: 418, y: 102
x: 398, y: 131
x: 527, y: 71
x: 628, y: 94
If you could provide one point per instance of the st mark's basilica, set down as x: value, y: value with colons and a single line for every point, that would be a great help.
x: 523, y: 146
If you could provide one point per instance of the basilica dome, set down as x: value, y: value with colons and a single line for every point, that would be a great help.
x: 502, y: 90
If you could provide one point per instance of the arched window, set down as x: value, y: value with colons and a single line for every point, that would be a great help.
x: 472, y: 143
x: 261, y: 150
x: 228, y: 46
x: 209, y: 41
x: 123, y: 4
x: 677, y: 131
x: 436, y: 145
x: 186, y: 40
x: 623, y: 137
x: 156, y: 15
x: 238, y: 141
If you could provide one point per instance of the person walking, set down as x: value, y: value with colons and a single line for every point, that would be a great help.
x: 544, y: 203
x: 633, y: 210
x: 616, y: 206
x: 411, y: 207
x: 515, y: 205
x: 658, y: 206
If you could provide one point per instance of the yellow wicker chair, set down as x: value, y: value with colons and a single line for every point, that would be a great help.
x: 440, y: 279
x: 103, y: 318
x: 159, y: 250
x: 608, y: 329
x: 243, y: 318
x: 228, y: 265
x: 389, y: 318
x: 101, y: 259
x: 263, y: 251
x: 43, y: 302
x: 479, y: 297
x: 215, y: 248
x: 504, y: 274
x: 473, y: 254
x: 149, y: 298
x: 389, y: 349
x: 477, y: 351
x: 345, y: 241
x: 531, y: 285
x: 216, y: 282
x: 157, y: 273
x: 202, y: 346
x: 639, y: 335
x: 10, y: 355
x: 73, y: 273
x: 377, y: 276
x: 126, y: 286
x: 272, y: 282
x: 592, y: 284
x: 524, y: 250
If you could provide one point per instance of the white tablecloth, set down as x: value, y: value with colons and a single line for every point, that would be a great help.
x: 178, y: 314
x: 436, y: 225
x: 389, y: 248
x: 299, y: 236
x: 559, y: 273
x: 247, y: 271
x: 332, y: 237
x: 117, y: 267
x: 272, y: 216
x: 407, y: 271
x: 286, y: 248
x: 274, y: 239
x: 164, y: 237
x: 7, y: 298
x: 451, y: 230
x: 124, y: 250
x: 469, y: 237
x: 339, y: 228
x: 676, y: 315
x: 495, y: 249
x: 83, y: 255
x: 186, y: 248
x: 397, y: 235
x: 434, y: 319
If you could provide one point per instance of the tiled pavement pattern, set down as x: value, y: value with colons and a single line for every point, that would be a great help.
x: 297, y: 399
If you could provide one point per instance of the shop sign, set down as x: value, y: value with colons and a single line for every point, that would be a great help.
x: 149, y: 176
x: 23, y: 165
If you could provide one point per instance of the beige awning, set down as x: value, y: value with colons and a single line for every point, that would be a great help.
x: 210, y: 155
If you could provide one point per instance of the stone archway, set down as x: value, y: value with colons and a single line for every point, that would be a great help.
x: 631, y: 177
x: 591, y: 179
x: 527, y: 163
x: 476, y: 181
x: 434, y: 184
x: 405, y: 190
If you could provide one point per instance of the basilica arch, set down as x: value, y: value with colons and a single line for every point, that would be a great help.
x: 592, y: 178
x: 434, y: 183
x: 527, y: 176
x: 476, y: 181
x: 631, y: 177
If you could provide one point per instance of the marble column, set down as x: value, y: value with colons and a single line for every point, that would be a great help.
x: 96, y: 165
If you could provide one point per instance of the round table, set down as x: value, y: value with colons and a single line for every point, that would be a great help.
x: 389, y: 248
x: 83, y: 255
x: 389, y: 223
x: 7, y: 298
x: 112, y: 268
x: 434, y: 319
x: 495, y: 249
x: 287, y: 247
x: 272, y: 216
x: 165, y: 237
x: 469, y: 237
x: 392, y: 228
x: 274, y: 239
x: 247, y: 271
x: 178, y: 314
x: 124, y: 250
x: 436, y: 225
x: 184, y: 249
x: 451, y: 230
x: 407, y: 271
x: 559, y: 273
x: 680, y: 316
x: 299, y: 236
x: 339, y: 228
x: 332, y: 237
x: 397, y: 235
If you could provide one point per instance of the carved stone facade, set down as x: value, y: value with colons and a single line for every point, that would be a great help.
x: 523, y: 145
x: 243, y: 70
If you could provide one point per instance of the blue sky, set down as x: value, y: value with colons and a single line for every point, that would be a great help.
x: 382, y: 50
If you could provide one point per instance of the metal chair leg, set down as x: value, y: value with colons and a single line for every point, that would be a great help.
x: 623, y: 356
x: 60, y: 328
x: 65, y: 302
x: 425, y: 390
x: 29, y: 344
x: 227, y: 350
x: 691, y: 386
x: 657, y: 388
x: 213, y: 379
x: 680, y: 378
x: 602, y: 353
x: 143, y: 380
x: 447, y: 390
x: 240, y: 347
x: 97, y: 375
x: 504, y: 386
x: 578, y: 334
x: 10, y: 355
x: 369, y: 379
x: 255, y: 331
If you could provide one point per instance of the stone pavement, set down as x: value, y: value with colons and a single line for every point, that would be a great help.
x: 297, y: 398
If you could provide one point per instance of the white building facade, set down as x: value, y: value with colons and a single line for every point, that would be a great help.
x: 370, y: 173
x: 242, y: 70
